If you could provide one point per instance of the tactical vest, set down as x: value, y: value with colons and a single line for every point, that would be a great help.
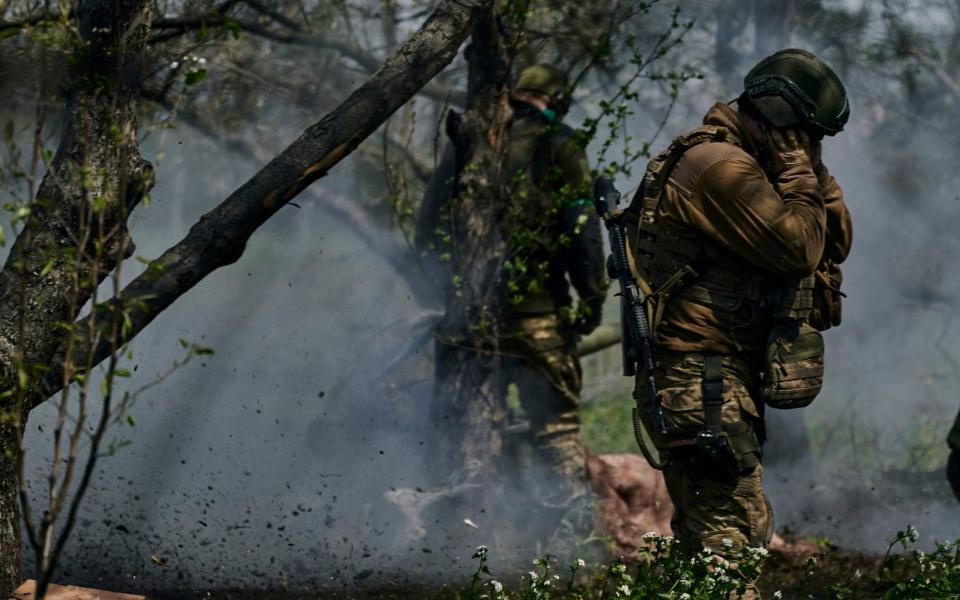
x: 698, y: 269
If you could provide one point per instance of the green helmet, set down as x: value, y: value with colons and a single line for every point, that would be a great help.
x: 542, y: 78
x: 795, y: 88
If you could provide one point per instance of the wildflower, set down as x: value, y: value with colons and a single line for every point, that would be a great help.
x: 727, y: 543
x: 581, y: 563
x: 686, y: 582
x: 684, y: 596
x: 533, y: 575
x: 624, y: 589
x: 857, y: 574
x: 496, y: 585
x: 175, y: 64
x: 778, y: 594
x: 912, y: 534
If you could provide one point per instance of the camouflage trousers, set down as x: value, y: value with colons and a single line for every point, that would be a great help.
x: 548, y: 456
x: 724, y: 510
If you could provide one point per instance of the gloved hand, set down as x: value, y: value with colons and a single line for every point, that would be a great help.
x: 789, y: 148
x: 953, y: 471
x: 590, y: 318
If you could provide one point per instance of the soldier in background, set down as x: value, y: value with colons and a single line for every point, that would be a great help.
x: 741, y: 231
x: 554, y: 240
x: 953, y: 462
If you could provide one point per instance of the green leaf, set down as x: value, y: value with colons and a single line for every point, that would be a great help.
x: 130, y: 421
x: 195, y: 76
x: 235, y: 29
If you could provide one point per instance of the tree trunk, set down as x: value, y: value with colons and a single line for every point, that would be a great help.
x: 95, y: 178
x: 466, y: 394
x: 10, y: 559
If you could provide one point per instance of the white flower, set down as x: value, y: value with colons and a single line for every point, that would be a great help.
x: 684, y: 596
x: 727, y: 543
x: 624, y: 589
x: 175, y: 64
x: 912, y: 534
x: 496, y: 585
x: 581, y: 563
x: 202, y: 60
x: 533, y: 575
x: 778, y: 594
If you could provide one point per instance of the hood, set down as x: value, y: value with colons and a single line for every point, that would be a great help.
x: 722, y: 114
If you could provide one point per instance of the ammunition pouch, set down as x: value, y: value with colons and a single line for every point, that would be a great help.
x: 793, y: 373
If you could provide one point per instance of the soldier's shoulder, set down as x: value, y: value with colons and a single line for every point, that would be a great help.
x: 710, y: 153
x: 699, y: 159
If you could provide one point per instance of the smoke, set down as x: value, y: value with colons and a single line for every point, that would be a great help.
x: 284, y: 459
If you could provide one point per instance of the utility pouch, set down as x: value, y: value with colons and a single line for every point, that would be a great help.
x: 732, y: 448
x: 827, y: 297
x: 793, y: 372
x: 733, y: 451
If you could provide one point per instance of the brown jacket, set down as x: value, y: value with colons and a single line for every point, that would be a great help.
x: 788, y: 227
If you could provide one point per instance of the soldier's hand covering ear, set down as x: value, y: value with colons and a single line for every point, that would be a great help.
x: 789, y: 147
x: 953, y: 471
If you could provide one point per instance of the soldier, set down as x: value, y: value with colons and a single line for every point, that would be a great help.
x: 553, y: 234
x: 953, y: 462
x: 741, y: 231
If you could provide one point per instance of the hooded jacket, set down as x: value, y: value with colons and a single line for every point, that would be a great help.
x: 787, y: 226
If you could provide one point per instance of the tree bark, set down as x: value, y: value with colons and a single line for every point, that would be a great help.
x: 466, y: 393
x: 10, y: 559
x: 95, y: 178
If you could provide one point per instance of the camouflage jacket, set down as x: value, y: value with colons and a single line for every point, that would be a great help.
x: 552, y: 229
x: 789, y: 227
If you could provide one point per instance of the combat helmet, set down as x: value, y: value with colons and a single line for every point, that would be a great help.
x: 795, y: 88
x: 542, y: 78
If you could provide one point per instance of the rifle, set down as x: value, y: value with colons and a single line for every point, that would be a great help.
x: 637, y: 340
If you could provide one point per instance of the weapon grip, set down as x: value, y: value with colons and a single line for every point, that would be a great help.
x: 605, y: 196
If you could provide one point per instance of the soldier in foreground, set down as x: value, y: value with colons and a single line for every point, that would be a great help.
x: 553, y: 235
x: 736, y: 236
